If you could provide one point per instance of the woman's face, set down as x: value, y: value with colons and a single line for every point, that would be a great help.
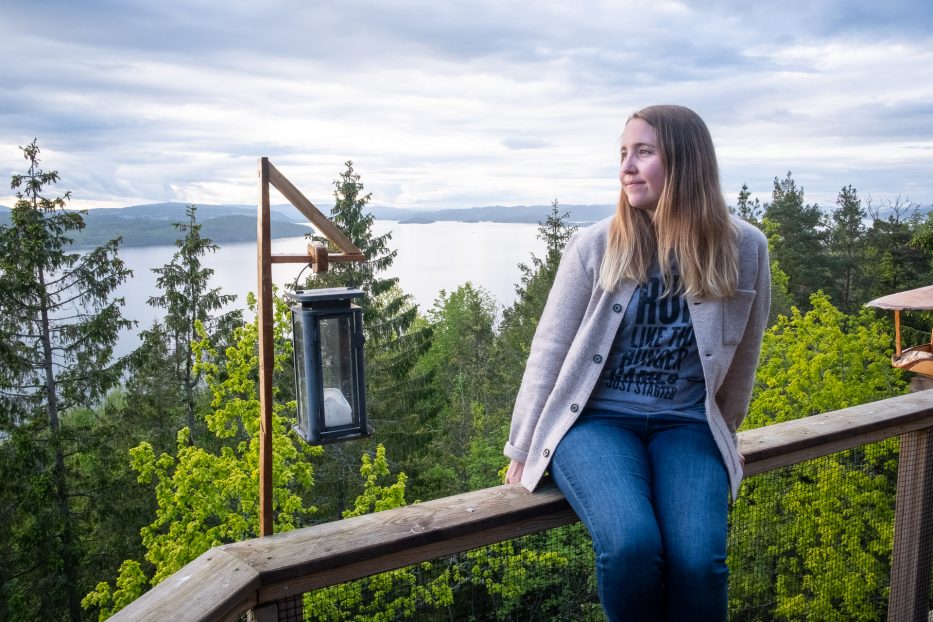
x: 641, y: 172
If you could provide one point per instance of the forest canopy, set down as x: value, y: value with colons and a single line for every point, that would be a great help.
x: 117, y: 472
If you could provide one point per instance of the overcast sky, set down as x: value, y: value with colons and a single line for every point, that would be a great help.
x: 458, y: 104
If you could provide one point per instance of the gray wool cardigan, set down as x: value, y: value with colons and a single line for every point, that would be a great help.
x: 576, y: 331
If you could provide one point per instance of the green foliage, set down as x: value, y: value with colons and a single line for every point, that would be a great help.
x: 377, y: 496
x: 820, y: 361
x: 187, y: 299
x: 484, y: 462
x: 897, y: 263
x: 390, y: 595
x: 745, y: 208
x: 781, y: 303
x: 798, y: 239
x: 58, y: 325
x: 813, y: 541
x: 130, y: 586
x: 847, y: 248
x: 210, y: 497
x: 547, y: 576
x: 155, y: 403
x: 457, y: 362
x: 836, y: 253
x: 58, y: 320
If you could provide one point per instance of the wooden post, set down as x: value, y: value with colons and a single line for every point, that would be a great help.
x: 897, y: 332
x: 268, y: 174
x: 266, y: 352
x: 913, y: 529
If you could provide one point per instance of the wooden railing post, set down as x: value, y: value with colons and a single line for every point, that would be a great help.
x: 912, y: 556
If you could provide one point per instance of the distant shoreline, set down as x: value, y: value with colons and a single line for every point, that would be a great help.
x: 153, y: 225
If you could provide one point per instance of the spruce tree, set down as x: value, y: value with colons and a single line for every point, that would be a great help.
x: 847, y: 247
x: 745, y: 208
x: 520, y: 321
x: 188, y: 299
x: 393, y: 340
x: 59, y: 322
x: 798, y: 240
x: 898, y: 262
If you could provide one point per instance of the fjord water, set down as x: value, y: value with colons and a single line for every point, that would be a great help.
x: 431, y: 257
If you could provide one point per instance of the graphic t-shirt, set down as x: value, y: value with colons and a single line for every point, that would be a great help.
x: 653, y: 366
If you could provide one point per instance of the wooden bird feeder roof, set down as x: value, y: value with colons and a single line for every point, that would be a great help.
x: 920, y: 299
x: 918, y: 359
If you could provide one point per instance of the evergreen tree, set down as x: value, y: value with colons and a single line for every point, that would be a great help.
x: 187, y: 299
x: 798, y: 240
x: 393, y: 342
x: 813, y: 541
x: 207, y: 496
x: 847, y: 247
x: 350, y: 215
x: 747, y: 210
x: 59, y: 323
x: 451, y: 428
x: 154, y: 402
x: 897, y: 264
x: 520, y: 321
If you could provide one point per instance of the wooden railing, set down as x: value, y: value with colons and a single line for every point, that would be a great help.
x: 230, y: 580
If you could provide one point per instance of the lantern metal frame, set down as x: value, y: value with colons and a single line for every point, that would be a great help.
x: 312, y: 309
x: 319, y: 258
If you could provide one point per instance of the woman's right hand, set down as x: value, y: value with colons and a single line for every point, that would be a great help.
x: 514, y: 473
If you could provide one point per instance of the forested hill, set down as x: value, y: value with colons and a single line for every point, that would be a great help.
x: 152, y: 225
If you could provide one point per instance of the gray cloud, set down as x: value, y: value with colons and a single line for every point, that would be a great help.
x: 451, y: 104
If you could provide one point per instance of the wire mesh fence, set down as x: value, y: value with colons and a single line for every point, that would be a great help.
x: 811, y: 541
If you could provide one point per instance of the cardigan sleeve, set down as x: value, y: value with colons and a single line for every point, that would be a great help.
x: 562, y: 316
x: 736, y: 390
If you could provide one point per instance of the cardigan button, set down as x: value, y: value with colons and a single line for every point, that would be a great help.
x: 617, y: 308
x: 547, y: 452
x: 597, y: 359
x: 574, y: 408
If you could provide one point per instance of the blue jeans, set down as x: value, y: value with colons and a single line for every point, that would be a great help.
x: 653, y: 493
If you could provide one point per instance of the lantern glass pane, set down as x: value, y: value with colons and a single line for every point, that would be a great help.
x: 340, y: 408
x: 301, y: 371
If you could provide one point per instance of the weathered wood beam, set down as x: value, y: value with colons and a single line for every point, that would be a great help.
x: 788, y: 443
x: 215, y: 586
x: 266, y: 347
x: 341, y: 551
x: 312, y: 213
x: 306, y: 258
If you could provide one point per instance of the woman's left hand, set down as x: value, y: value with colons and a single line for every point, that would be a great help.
x: 514, y: 473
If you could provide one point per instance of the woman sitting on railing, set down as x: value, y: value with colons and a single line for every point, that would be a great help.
x: 641, y: 371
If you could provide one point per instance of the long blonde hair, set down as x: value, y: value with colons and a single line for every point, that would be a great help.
x: 690, y: 229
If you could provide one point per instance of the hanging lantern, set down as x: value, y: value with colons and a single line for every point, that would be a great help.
x: 329, y: 380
